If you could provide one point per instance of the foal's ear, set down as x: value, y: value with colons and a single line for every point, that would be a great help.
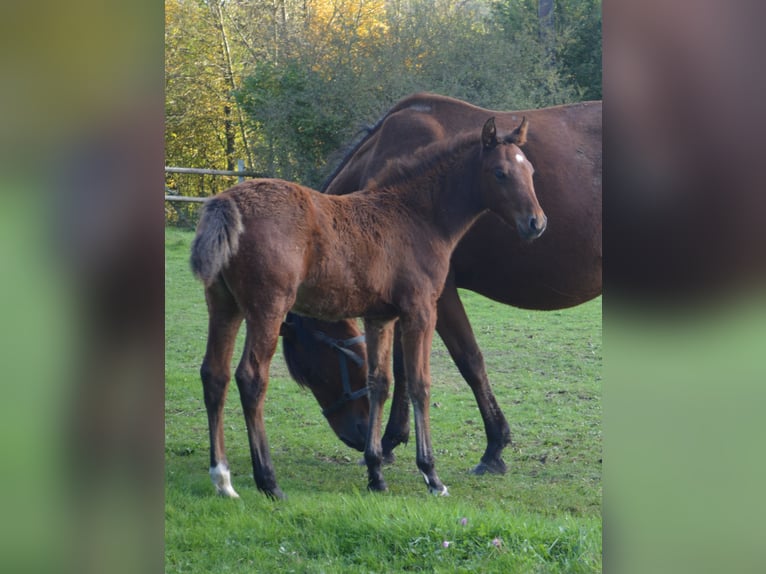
x: 519, y: 135
x: 489, y: 134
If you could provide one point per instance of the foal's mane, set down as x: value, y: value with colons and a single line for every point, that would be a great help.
x: 424, y: 161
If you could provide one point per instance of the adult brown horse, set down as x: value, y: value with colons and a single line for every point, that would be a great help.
x: 328, y: 358
x: 265, y: 247
x: 561, y: 269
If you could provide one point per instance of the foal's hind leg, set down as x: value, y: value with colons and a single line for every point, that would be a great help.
x: 253, y: 379
x: 455, y: 330
x: 224, y: 321
x: 379, y: 337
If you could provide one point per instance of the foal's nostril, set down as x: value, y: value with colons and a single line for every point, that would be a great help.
x: 537, y: 225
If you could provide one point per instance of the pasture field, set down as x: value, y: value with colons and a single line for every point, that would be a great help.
x: 544, y: 515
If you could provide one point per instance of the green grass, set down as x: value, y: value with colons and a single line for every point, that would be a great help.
x: 544, y: 515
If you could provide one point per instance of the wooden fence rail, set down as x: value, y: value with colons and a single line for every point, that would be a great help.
x: 185, y: 198
x: 241, y: 174
x: 201, y: 171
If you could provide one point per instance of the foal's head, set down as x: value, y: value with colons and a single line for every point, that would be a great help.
x: 330, y: 359
x: 506, y: 180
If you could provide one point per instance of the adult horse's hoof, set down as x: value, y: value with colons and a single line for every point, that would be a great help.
x: 496, y: 466
x: 275, y: 493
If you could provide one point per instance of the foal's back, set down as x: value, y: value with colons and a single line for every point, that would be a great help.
x: 339, y: 256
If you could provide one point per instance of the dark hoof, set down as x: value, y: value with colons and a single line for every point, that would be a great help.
x: 377, y: 486
x: 438, y: 491
x: 496, y: 466
x: 275, y: 493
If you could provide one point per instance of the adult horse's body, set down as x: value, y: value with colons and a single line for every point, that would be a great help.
x: 265, y: 247
x: 561, y: 269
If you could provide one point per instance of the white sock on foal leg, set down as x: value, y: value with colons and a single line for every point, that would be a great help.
x: 221, y: 478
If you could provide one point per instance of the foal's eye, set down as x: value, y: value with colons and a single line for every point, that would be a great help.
x: 500, y: 174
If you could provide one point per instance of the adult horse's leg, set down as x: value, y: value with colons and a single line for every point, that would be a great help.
x: 253, y: 379
x: 455, y: 330
x: 398, y: 427
x: 379, y: 335
x: 224, y: 321
x: 417, y: 335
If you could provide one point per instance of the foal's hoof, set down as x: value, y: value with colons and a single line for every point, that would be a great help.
x: 227, y: 493
x: 435, y: 486
x: 439, y: 491
x: 496, y: 466
x: 221, y: 478
x: 377, y: 486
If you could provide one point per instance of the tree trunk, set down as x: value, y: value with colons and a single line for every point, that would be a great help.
x: 545, y: 15
x: 228, y: 128
x: 229, y: 79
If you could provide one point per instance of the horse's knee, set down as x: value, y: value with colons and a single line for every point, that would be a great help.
x: 419, y: 392
x: 377, y: 388
x: 418, y: 320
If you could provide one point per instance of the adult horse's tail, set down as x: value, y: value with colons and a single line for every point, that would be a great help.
x: 217, y: 238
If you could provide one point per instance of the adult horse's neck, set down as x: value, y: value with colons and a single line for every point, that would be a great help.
x: 439, y: 183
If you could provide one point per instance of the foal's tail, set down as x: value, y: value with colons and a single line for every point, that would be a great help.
x: 217, y: 238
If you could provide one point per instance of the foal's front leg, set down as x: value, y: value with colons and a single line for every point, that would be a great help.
x: 379, y: 337
x: 417, y: 335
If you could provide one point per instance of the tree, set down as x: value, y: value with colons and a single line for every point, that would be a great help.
x: 563, y: 42
x: 580, y: 46
x: 203, y: 124
x: 217, y: 10
x: 297, y: 116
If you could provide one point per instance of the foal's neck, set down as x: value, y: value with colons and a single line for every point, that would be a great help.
x: 439, y: 185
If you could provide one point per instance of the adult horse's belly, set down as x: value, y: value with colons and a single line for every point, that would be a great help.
x: 560, y: 269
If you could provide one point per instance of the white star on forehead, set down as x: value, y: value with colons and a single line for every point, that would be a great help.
x: 519, y: 158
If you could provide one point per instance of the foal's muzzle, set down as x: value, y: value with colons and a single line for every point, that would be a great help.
x: 532, y: 227
x: 537, y: 226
